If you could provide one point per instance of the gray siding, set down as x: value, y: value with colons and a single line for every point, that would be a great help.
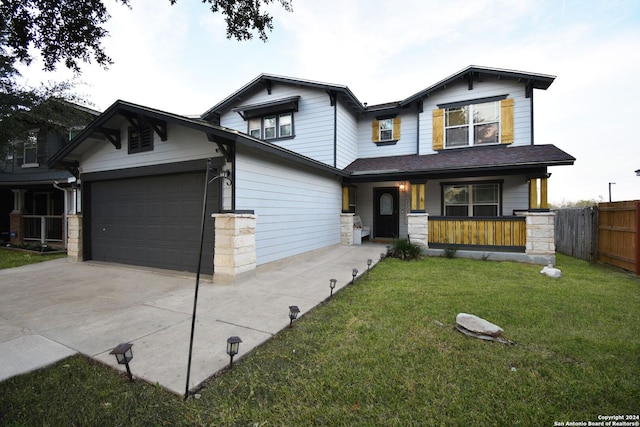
x: 347, y: 136
x: 297, y: 210
x: 313, y: 122
x: 406, y: 145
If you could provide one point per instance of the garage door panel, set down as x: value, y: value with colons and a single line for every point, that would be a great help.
x: 152, y: 221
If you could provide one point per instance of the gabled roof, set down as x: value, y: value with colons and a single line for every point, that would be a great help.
x: 488, y: 158
x: 265, y: 81
x: 217, y: 134
x: 473, y: 73
x: 469, y: 74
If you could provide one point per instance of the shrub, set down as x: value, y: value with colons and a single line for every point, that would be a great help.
x: 404, y: 249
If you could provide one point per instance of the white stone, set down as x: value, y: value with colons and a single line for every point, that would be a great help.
x: 550, y: 271
x: 478, y: 325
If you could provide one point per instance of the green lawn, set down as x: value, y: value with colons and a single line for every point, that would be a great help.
x: 10, y: 258
x: 384, y: 352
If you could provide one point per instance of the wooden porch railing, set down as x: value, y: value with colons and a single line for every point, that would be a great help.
x: 507, y: 233
x: 44, y: 228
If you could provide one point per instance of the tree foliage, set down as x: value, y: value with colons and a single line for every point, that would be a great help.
x: 70, y: 32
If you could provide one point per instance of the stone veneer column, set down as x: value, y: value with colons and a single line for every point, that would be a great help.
x: 346, y: 229
x: 235, y: 246
x: 418, y: 228
x: 540, y: 233
x: 74, y: 237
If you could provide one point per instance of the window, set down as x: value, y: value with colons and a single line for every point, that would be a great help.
x: 140, y: 140
x: 30, y: 151
x: 272, y: 126
x: 385, y: 130
x: 473, y: 124
x: 471, y: 199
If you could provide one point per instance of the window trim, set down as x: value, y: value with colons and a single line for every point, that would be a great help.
x: 277, y: 128
x: 32, y: 141
x: 470, y: 204
x: 471, y: 125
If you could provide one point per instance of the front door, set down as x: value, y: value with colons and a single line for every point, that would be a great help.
x: 385, y: 222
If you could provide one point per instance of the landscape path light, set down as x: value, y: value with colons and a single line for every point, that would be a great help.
x: 233, y: 344
x: 124, y: 355
x: 332, y: 285
x: 369, y: 262
x: 354, y: 273
x: 293, y: 314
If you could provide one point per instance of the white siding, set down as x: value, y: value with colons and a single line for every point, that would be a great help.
x: 460, y: 92
x: 182, y: 144
x: 406, y: 145
x: 313, y: 122
x: 515, y: 193
x: 347, y: 137
x: 297, y: 210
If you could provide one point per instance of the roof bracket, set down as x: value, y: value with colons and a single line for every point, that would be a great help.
x: 333, y: 97
x: 113, y: 135
x: 224, y: 150
x: 528, y: 90
x: 267, y: 85
x: 139, y: 120
x: 469, y: 78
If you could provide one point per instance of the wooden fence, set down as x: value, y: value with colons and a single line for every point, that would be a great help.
x: 576, y: 232
x: 609, y: 233
x: 495, y: 233
x: 619, y: 234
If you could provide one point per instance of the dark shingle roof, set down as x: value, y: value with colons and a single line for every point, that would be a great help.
x: 462, y: 159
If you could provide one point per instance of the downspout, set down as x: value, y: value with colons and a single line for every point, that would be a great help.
x: 531, y: 103
x: 335, y: 133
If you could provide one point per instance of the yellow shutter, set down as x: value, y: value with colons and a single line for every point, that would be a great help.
x: 375, y: 131
x: 345, y: 199
x: 438, y: 129
x: 396, y: 128
x: 506, y: 134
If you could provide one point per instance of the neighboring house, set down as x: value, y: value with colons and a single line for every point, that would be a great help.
x: 32, y: 199
x: 454, y: 164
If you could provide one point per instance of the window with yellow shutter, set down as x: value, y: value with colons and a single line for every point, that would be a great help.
x: 385, y: 130
x: 483, y: 121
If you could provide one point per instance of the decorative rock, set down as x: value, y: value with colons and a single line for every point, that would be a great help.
x: 550, y: 271
x: 478, y: 325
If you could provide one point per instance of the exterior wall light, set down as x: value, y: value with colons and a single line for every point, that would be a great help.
x: 293, y: 314
x: 233, y: 344
x: 124, y: 355
x: 332, y: 285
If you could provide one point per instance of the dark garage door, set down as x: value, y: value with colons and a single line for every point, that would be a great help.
x: 152, y: 221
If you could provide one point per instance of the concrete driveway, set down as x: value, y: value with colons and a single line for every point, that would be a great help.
x: 51, y: 310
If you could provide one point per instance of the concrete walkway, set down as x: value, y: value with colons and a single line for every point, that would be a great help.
x: 51, y: 310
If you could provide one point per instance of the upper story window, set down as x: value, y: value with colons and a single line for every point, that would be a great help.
x: 272, y: 126
x: 482, y: 199
x: 385, y: 130
x: 140, y: 140
x: 483, y: 121
x: 474, y: 124
x: 30, y: 149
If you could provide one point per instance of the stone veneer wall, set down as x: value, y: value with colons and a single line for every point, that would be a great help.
x: 74, y: 237
x: 418, y: 228
x: 235, y: 246
x: 540, y: 233
x: 346, y: 229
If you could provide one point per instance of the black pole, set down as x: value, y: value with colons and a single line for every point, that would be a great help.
x: 195, y: 298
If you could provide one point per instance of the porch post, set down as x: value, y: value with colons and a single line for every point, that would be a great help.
x: 346, y: 229
x: 418, y: 228
x: 235, y: 246
x: 541, y: 234
x: 74, y: 237
x: 16, y: 221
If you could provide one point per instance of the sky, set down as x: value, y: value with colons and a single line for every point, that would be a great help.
x: 178, y: 59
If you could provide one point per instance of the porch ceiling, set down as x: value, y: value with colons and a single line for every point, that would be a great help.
x: 460, y: 161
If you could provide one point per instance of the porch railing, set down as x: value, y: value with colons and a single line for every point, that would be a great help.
x: 508, y: 233
x: 44, y: 228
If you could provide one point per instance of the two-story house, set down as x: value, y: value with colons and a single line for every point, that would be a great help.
x: 33, y: 199
x: 454, y: 164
